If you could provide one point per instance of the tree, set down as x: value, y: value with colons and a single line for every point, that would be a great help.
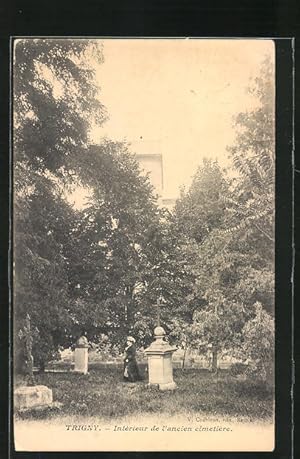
x: 126, y: 254
x: 231, y: 222
x: 55, y: 102
x: 218, y: 327
x: 200, y: 215
x: 111, y: 239
x: 250, y: 206
x: 44, y: 223
x: 251, y: 203
x: 200, y: 209
x: 258, y: 345
x: 102, y: 262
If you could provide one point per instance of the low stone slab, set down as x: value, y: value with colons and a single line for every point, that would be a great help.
x: 164, y: 386
x: 27, y: 397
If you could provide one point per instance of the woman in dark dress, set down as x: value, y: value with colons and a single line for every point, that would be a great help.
x: 131, y: 370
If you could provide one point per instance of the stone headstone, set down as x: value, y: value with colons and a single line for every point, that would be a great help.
x: 30, y: 397
x: 160, y: 367
x: 81, y: 355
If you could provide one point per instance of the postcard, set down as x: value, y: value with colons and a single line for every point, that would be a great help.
x: 143, y: 244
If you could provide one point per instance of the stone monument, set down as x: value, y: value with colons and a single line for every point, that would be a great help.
x: 160, y: 366
x: 81, y: 355
x: 32, y: 397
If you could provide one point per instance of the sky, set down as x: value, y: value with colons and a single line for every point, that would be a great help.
x: 177, y: 97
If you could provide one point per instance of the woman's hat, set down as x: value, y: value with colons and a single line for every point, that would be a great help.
x: 130, y: 338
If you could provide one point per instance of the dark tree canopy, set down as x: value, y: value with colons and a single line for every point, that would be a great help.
x: 55, y: 101
x: 55, y: 98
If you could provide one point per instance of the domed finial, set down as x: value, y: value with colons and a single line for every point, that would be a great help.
x: 159, y: 333
x: 82, y: 342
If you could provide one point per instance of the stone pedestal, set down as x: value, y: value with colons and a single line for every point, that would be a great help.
x: 81, y: 356
x: 160, y: 366
x: 30, y: 397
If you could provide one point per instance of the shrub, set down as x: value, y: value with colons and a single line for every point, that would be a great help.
x: 238, y: 368
x: 258, y: 345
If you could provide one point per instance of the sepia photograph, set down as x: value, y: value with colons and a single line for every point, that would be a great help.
x: 143, y: 176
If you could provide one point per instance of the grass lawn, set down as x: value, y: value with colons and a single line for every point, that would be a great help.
x: 103, y: 393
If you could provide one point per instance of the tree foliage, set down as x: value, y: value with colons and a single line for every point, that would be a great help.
x: 115, y: 242
x: 199, y: 210
x: 259, y: 345
x: 43, y: 224
x: 54, y: 98
x: 97, y: 269
x: 229, y: 222
x: 251, y: 203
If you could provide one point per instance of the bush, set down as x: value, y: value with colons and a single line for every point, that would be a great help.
x: 238, y: 368
x: 258, y: 345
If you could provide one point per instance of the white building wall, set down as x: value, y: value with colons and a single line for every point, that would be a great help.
x: 152, y: 163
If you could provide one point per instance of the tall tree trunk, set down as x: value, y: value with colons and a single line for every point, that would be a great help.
x: 184, y: 356
x: 42, y: 367
x: 214, y: 365
x: 129, y: 309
